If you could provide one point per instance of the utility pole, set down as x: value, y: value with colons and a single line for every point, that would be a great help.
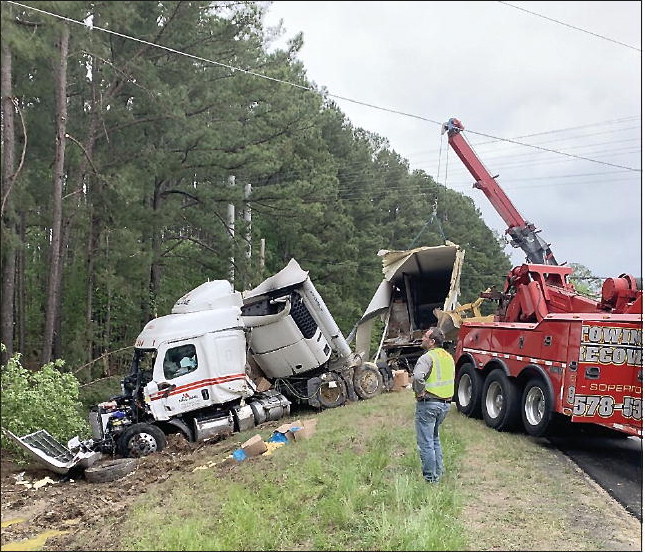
x: 247, y: 217
x: 231, y: 231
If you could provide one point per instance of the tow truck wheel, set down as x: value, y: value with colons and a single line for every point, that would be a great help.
x: 469, y: 391
x: 368, y: 381
x: 537, y: 407
x: 141, y: 440
x: 500, y: 402
x: 332, y: 391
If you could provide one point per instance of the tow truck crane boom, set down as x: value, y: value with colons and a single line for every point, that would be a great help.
x: 523, y: 234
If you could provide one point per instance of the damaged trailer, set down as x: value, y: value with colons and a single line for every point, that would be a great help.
x: 419, y: 289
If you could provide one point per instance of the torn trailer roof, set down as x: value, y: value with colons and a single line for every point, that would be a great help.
x: 416, y: 282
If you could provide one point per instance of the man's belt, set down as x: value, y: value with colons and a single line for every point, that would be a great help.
x: 431, y: 398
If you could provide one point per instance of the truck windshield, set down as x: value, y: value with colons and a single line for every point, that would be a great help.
x: 143, y: 364
x: 141, y: 370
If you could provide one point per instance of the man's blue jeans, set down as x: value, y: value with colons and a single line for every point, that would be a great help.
x: 429, y: 416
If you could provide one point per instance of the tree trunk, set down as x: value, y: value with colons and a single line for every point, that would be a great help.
x: 55, y: 266
x: 21, y: 288
x: 8, y: 217
x: 58, y: 324
x: 154, y: 241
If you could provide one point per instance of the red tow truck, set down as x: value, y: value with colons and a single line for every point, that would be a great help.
x: 549, y: 351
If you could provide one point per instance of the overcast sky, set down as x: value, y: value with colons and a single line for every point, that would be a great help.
x: 508, y: 74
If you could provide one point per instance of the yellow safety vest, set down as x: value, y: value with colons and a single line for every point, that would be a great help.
x: 441, y: 380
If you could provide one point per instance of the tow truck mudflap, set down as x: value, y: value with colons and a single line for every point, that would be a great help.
x: 45, y: 449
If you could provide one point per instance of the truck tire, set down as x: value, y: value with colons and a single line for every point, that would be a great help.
x: 332, y: 391
x: 537, y: 407
x: 109, y: 470
x: 500, y: 402
x: 468, y: 391
x: 368, y: 381
x: 141, y: 440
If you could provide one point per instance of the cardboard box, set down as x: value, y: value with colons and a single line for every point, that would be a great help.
x: 262, y: 384
x: 307, y: 431
x: 401, y: 380
x: 254, y: 446
x: 284, y: 429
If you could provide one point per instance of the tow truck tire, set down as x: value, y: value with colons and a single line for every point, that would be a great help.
x: 468, y: 391
x: 537, y: 407
x: 110, y: 470
x: 332, y: 392
x: 141, y: 440
x: 500, y: 402
x: 368, y: 381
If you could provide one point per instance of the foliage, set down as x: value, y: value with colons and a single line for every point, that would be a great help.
x: 45, y: 399
x: 584, y: 282
x: 99, y: 391
x: 155, y: 139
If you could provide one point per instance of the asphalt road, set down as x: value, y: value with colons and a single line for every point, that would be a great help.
x: 615, y: 464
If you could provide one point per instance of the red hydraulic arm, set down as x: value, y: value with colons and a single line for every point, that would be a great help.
x: 523, y: 234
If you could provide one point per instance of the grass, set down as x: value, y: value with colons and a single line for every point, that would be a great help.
x: 365, y: 493
x: 356, y: 485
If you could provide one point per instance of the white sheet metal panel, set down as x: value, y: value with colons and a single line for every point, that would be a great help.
x: 290, y: 360
x: 417, y: 261
x: 176, y: 327
x: 290, y: 275
x: 218, y: 294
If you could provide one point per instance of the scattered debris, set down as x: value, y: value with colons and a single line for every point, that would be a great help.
x: 36, y: 484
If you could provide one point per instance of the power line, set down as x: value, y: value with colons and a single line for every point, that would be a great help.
x: 570, y: 26
x: 553, y: 151
x: 562, y: 130
x: 503, y: 153
x: 228, y: 66
x: 304, y: 87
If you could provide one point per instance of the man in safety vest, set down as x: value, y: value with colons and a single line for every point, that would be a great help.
x: 433, y: 382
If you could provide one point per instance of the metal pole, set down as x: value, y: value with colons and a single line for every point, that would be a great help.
x: 247, y: 217
x: 231, y: 231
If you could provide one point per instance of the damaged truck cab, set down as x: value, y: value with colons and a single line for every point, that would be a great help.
x: 295, y: 343
x: 188, y: 375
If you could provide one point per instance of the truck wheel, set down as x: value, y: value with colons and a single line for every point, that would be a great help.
x: 332, y: 391
x: 469, y: 391
x: 111, y: 470
x: 368, y: 381
x: 500, y: 402
x: 141, y: 440
x: 537, y: 407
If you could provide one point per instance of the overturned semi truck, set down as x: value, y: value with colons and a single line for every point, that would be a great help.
x: 219, y: 363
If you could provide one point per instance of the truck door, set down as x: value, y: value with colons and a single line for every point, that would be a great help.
x: 179, y: 377
x: 609, y: 377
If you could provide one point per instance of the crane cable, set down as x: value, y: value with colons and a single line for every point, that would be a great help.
x: 433, y: 216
